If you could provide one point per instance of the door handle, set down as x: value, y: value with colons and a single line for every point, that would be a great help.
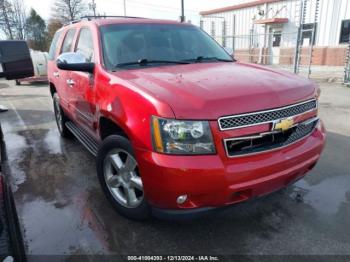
x: 56, y: 74
x: 70, y: 82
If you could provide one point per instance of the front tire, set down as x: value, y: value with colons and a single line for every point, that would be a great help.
x: 118, y: 173
x: 60, y: 117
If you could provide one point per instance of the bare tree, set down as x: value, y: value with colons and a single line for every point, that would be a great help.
x: 19, y: 18
x: 6, y: 18
x: 12, y: 18
x: 69, y: 10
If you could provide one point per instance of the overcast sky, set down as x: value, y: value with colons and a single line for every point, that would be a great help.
x: 169, y: 9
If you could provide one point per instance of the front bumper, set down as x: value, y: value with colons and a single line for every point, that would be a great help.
x: 214, y: 181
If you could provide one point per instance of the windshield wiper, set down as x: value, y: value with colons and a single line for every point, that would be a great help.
x: 144, y: 62
x: 207, y: 58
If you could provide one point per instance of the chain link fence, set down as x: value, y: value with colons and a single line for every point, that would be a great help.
x: 277, y: 42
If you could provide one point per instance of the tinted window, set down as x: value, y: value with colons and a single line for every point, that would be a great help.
x: 130, y: 43
x: 345, y: 32
x: 53, y: 46
x: 68, y: 41
x: 85, y: 44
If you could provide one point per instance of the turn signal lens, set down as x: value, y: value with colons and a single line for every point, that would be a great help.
x: 157, y: 136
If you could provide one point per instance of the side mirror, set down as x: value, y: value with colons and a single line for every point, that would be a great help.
x: 15, y: 60
x: 229, y: 50
x: 74, y: 62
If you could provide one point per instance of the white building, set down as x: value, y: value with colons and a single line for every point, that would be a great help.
x: 268, y: 29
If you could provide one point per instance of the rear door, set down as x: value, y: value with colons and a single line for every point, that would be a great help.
x: 64, y: 76
x: 83, y: 98
x: 52, y: 70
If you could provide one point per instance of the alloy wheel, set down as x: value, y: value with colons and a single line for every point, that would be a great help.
x: 122, y: 178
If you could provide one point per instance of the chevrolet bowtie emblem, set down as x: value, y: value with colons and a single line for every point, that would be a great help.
x: 283, y: 125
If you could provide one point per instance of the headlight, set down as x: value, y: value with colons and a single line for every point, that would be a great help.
x: 182, y: 137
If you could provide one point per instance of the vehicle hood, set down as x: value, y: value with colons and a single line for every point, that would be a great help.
x: 208, y: 91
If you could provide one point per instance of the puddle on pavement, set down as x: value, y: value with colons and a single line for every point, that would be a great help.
x: 327, y: 196
x: 52, y: 231
x: 15, y: 144
x: 51, y: 193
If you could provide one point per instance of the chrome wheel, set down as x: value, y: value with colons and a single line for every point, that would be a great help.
x: 122, y: 178
x: 58, y: 113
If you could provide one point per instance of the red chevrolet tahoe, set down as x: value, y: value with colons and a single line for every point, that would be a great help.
x: 178, y: 127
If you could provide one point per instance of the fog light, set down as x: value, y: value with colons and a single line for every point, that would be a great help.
x: 181, y: 199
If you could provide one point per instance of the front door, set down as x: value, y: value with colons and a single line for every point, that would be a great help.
x: 83, y: 99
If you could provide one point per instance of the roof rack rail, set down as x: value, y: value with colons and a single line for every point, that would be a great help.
x: 72, y: 22
x: 90, y: 17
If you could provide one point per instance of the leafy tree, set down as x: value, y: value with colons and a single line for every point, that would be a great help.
x: 69, y: 10
x: 36, y: 31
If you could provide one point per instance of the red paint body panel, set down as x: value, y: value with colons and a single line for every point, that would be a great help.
x: 208, y: 91
x: 213, y: 180
x: 201, y: 91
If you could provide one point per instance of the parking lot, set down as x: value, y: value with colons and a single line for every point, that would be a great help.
x: 63, y: 211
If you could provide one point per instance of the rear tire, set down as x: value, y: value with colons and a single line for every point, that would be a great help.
x: 60, y: 117
x: 119, y: 177
x: 18, y: 83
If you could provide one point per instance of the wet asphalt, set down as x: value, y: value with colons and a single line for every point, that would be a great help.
x: 63, y: 211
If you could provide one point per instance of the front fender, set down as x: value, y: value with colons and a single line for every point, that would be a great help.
x: 131, y: 109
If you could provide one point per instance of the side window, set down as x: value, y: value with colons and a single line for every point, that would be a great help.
x: 85, y: 44
x: 68, y: 41
x: 53, y: 46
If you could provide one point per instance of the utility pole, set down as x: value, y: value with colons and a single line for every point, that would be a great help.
x: 92, y: 6
x: 124, y: 7
x: 182, y: 17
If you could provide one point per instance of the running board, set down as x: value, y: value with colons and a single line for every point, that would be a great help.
x: 83, y: 138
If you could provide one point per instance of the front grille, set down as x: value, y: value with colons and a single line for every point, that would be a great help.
x: 269, y: 141
x: 250, y: 119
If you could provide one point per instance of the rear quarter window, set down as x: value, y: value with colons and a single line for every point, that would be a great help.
x: 53, y: 47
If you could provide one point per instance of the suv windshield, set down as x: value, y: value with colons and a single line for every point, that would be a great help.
x: 135, y: 45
